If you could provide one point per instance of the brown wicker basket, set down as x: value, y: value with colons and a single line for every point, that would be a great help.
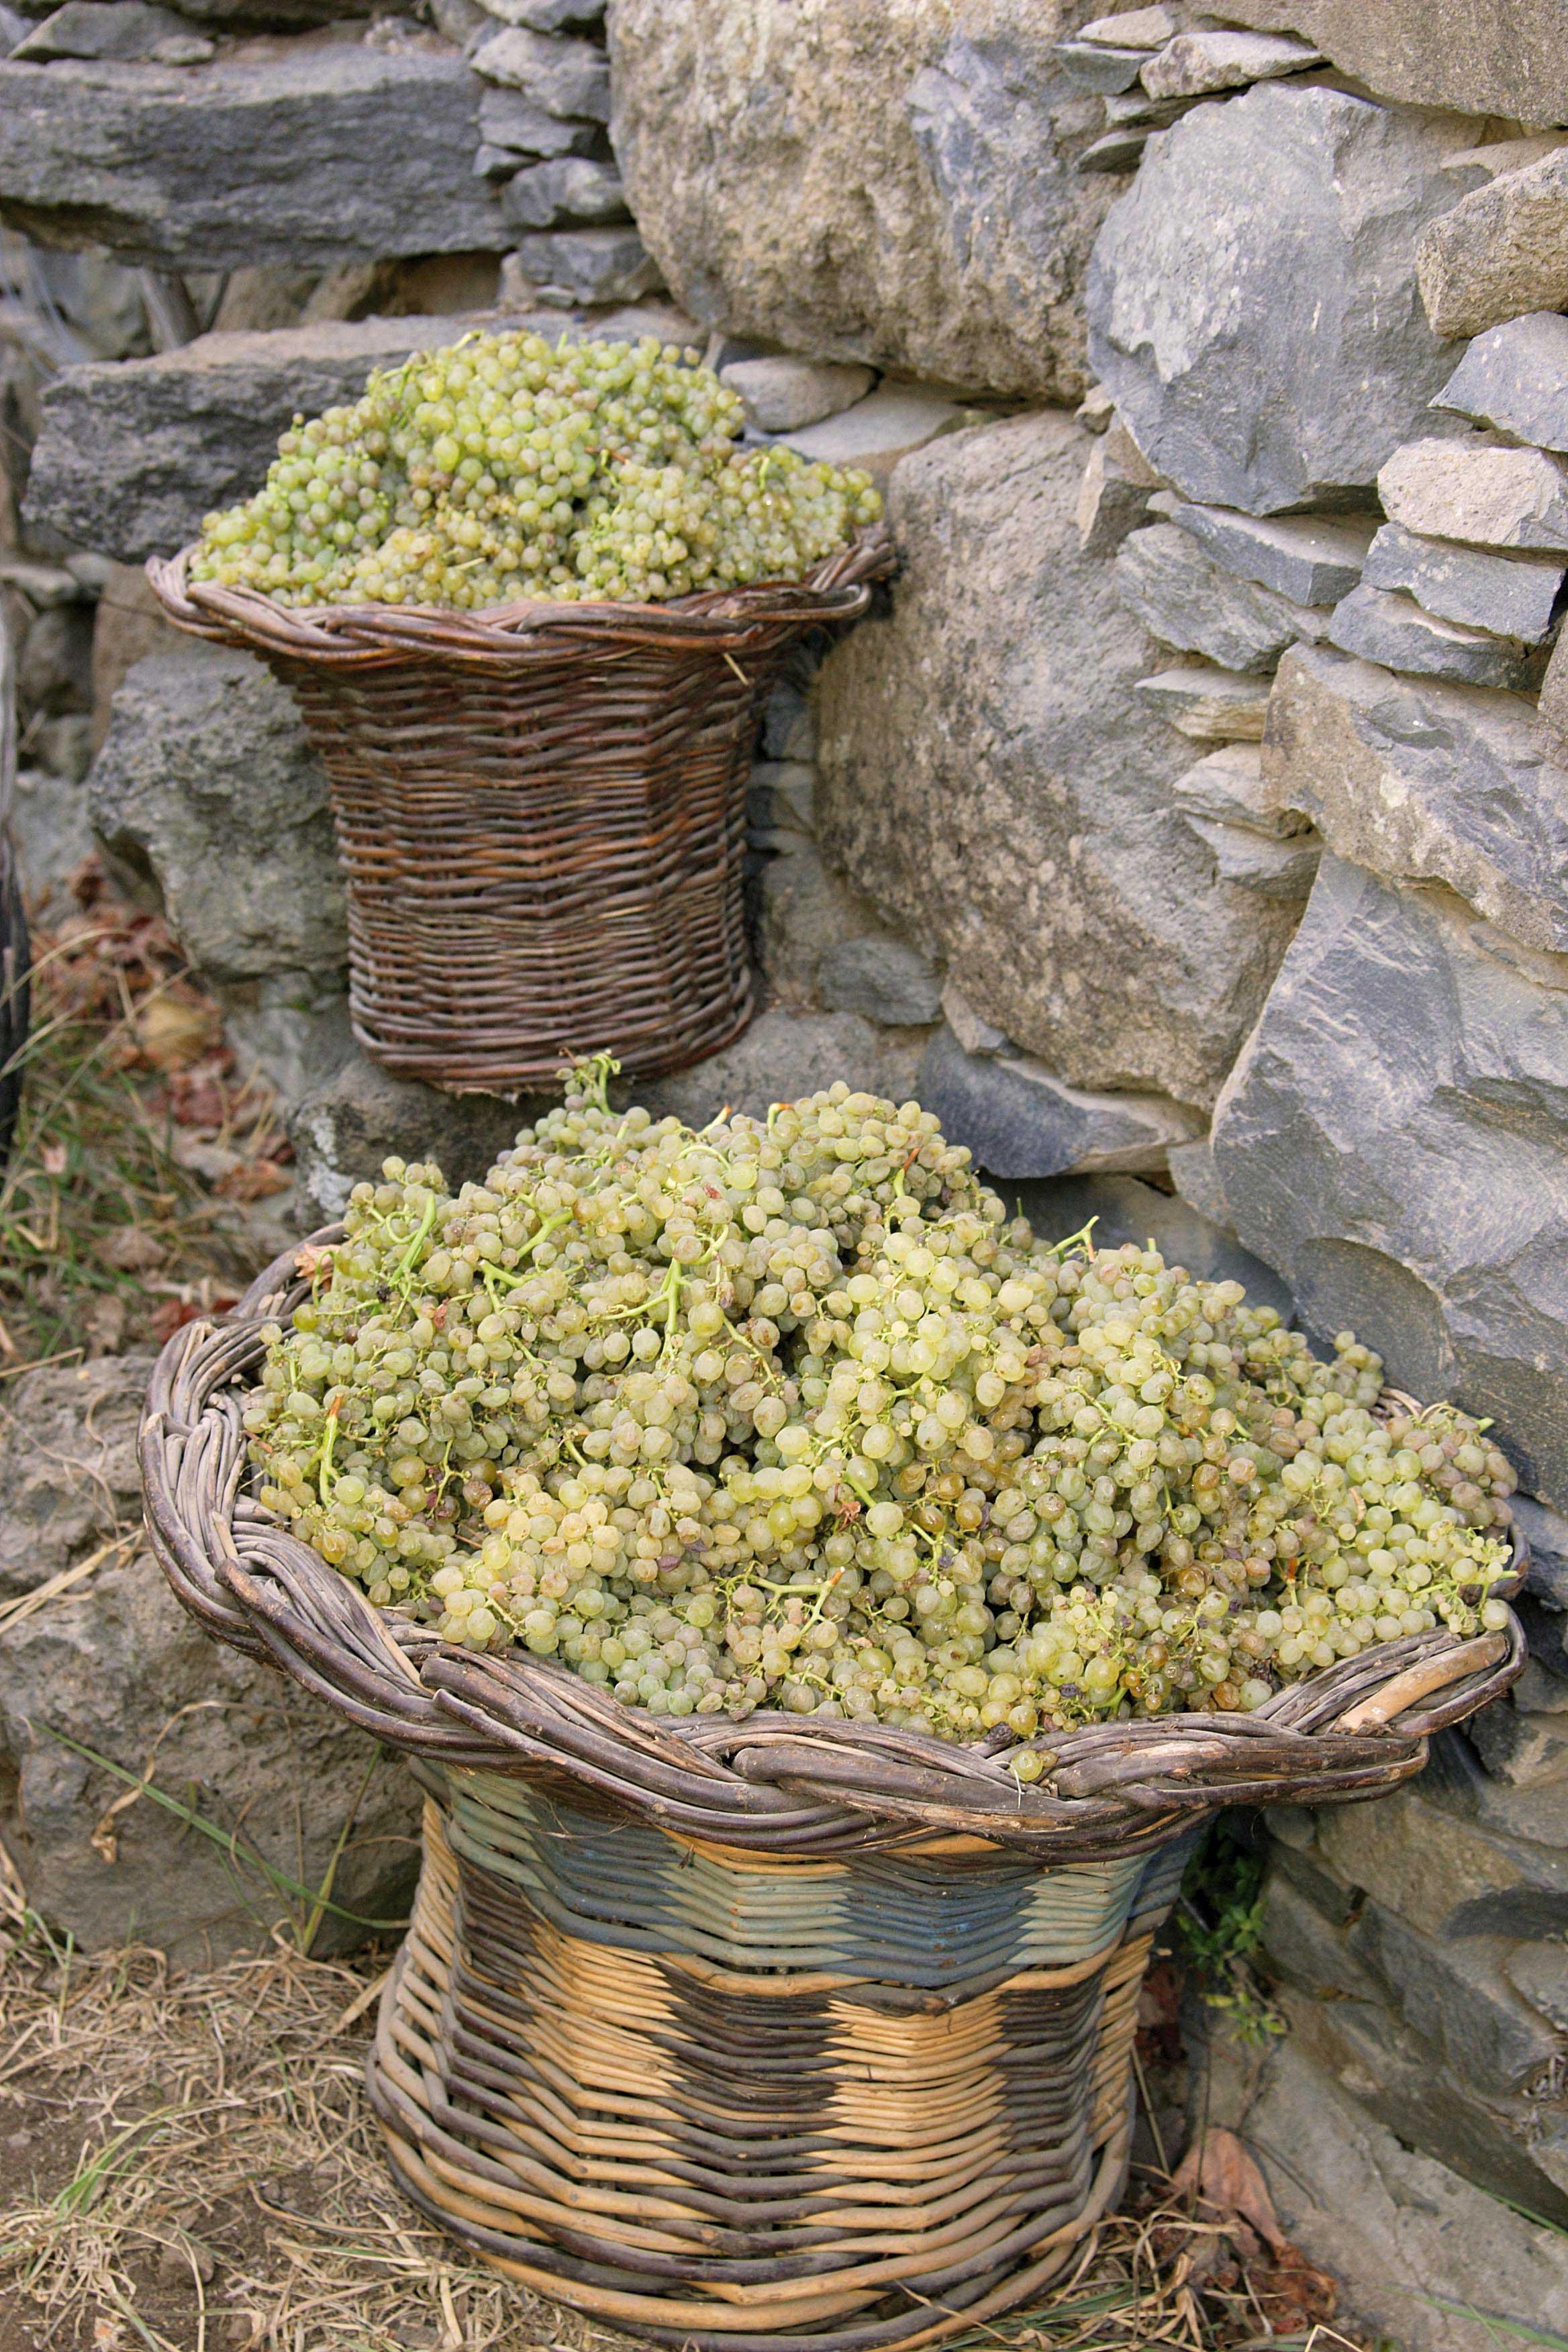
x: 755, y: 2034
x: 540, y: 810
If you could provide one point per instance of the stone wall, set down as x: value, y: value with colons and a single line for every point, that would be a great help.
x: 1185, y: 824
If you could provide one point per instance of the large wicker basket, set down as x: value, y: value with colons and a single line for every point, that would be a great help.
x: 540, y: 810
x: 746, y: 2035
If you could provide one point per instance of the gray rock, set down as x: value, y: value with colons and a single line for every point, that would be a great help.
x: 1311, y: 558
x: 885, y: 979
x: 292, y: 1027
x: 1485, y: 57
x: 1514, y: 596
x: 1540, y: 1971
x: 1515, y: 376
x: 779, y: 795
x: 1133, y: 29
x: 974, y: 1034
x: 781, y: 394
x: 1401, y: 1035
x: 101, y: 29
x: 130, y: 457
x: 1186, y: 600
x: 1453, y: 1993
x: 205, y: 783
x: 1125, y: 1210
x: 1440, y: 1873
x: 1027, y: 835
x: 1196, y: 63
x: 1211, y: 704
x: 560, y: 77
x: 1019, y: 1120
x: 757, y: 151
x: 880, y: 429
x: 1110, y: 503
x: 1253, y: 861
x: 1477, y: 490
x: 344, y: 1128
x: 549, y: 15
x: 1251, y: 376
x: 1385, y: 626
x: 588, y: 264
x: 510, y: 120
x: 159, y: 165
x: 1501, y: 252
x: 1120, y: 149
x: 116, y: 1665
x: 1521, y: 1748
x: 1096, y: 66
x: 1229, y: 786
x: 1547, y: 1536
x: 1426, y: 782
x: 1197, y: 1179
x: 1538, y: 1691
x: 785, y: 1056
x: 805, y: 913
x: 567, y: 188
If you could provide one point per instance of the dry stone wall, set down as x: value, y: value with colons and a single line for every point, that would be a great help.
x: 1185, y: 824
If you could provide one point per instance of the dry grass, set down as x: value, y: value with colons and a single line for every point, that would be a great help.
x: 188, y: 2163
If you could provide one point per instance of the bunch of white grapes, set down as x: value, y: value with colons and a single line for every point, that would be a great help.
x: 506, y: 468
x: 789, y: 1415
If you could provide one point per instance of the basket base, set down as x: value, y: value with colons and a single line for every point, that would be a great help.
x: 745, y: 2163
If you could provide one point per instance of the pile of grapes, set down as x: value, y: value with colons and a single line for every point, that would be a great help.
x: 505, y: 467
x: 790, y: 1414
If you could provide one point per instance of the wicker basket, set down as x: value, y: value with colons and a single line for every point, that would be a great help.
x: 745, y: 2035
x: 540, y: 810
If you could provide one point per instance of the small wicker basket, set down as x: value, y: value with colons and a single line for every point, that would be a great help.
x: 540, y: 810
x: 760, y: 2034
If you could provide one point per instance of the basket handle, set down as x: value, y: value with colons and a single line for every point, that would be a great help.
x: 1420, y: 1682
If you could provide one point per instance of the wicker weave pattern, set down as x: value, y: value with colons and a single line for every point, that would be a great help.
x: 541, y: 811
x: 738, y: 2157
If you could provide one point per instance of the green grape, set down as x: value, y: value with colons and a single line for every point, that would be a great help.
x: 506, y: 468
x: 787, y: 1414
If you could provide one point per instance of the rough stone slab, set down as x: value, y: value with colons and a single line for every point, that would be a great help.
x: 1186, y: 600
x: 974, y: 1034
x: 880, y: 429
x: 1253, y: 861
x: 1500, y: 155
x: 205, y: 781
x: 884, y: 980
x: 1453, y: 1993
x: 1515, y: 376
x: 1390, y: 1139
x: 1487, y: 56
x: 1501, y: 252
x: 1538, y: 1691
x: 588, y: 266
x: 1387, y: 626
x: 1477, y: 490
x: 510, y: 121
x: 1229, y: 786
x: 1514, y: 596
x: 1115, y: 151
x: 1214, y: 705
x: 1133, y: 28
x: 548, y: 15
x: 782, y: 1056
x: 1124, y: 1209
x: 564, y: 77
x: 567, y: 188
x: 1423, y: 780
x: 1195, y: 63
x: 130, y: 455
x: 108, y: 28
x: 1540, y: 1971
x: 310, y: 158
x: 1027, y: 832
x: 1311, y: 558
x: 1547, y: 1535
x: 760, y: 148
x: 1519, y: 1748
x: 1020, y: 1120
x: 782, y: 394
x: 1250, y: 300
x: 1096, y: 66
x: 1110, y: 503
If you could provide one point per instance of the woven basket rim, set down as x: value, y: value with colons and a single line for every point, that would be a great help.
x: 715, y: 620
x: 777, y: 1782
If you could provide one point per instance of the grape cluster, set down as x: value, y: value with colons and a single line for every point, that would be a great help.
x: 506, y: 468
x: 790, y: 1414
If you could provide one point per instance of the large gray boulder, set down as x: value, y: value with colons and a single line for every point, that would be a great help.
x: 1500, y: 254
x: 1426, y: 782
x: 113, y: 1665
x: 856, y: 182
x: 206, y: 784
x: 1391, y: 1140
x: 1027, y: 829
x: 132, y: 456
x: 1490, y: 56
x: 310, y: 158
x: 1252, y: 301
